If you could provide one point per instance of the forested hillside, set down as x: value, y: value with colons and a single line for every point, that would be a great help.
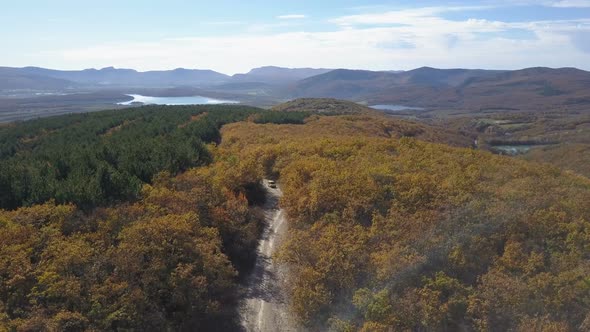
x: 528, y: 89
x: 390, y: 233
x: 110, y: 238
x: 100, y: 158
x: 131, y: 221
x: 166, y: 262
x: 93, y: 159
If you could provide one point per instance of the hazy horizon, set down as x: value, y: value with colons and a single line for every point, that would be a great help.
x: 368, y: 34
x: 248, y: 70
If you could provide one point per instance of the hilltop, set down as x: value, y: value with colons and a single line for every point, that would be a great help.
x: 353, y: 119
x: 322, y: 106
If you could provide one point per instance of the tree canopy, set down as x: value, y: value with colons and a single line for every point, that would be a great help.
x: 104, y: 157
x: 131, y: 220
x: 397, y: 233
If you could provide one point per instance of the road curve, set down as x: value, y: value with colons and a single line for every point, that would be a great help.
x: 264, y: 306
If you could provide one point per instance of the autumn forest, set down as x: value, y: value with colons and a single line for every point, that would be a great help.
x: 148, y: 219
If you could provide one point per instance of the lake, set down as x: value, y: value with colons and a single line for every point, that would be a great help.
x: 191, y: 100
x: 396, y: 108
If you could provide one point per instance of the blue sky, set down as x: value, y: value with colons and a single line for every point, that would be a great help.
x: 234, y: 36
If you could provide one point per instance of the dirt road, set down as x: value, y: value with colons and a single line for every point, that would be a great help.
x: 264, y: 307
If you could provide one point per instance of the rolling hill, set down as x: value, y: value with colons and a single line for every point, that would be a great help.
x: 353, y: 119
x: 469, y: 89
x: 130, y: 77
x: 323, y: 106
x: 344, y: 84
x: 532, y: 88
x: 272, y: 74
x: 42, y: 78
x: 12, y: 80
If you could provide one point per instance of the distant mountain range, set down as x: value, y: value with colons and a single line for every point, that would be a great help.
x: 279, y: 75
x: 530, y: 88
x: 358, y: 83
x: 16, y: 78
x: 124, y: 77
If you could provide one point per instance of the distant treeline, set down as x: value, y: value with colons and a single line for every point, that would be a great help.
x: 282, y: 117
x: 99, y: 158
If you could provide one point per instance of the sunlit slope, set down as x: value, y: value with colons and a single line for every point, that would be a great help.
x: 351, y: 119
x: 389, y: 232
x: 323, y: 106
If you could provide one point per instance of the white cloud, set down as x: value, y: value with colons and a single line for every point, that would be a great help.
x: 403, y: 16
x: 291, y: 17
x: 572, y: 4
x: 402, y: 39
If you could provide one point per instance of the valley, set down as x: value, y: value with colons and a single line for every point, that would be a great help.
x: 42, y: 92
